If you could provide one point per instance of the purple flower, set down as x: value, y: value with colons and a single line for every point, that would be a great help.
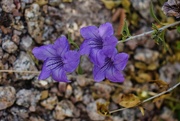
x: 58, y: 60
x: 98, y: 41
x: 111, y: 68
x: 171, y: 8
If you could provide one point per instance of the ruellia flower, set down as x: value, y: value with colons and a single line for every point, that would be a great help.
x: 98, y: 41
x: 58, y: 59
x: 172, y: 8
x: 111, y: 68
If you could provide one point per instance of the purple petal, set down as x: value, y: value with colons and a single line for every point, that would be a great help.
x: 59, y: 75
x: 44, y: 52
x: 89, y: 32
x: 45, y: 72
x: 173, y: 2
x: 97, y: 57
x: 71, y: 61
x: 109, y: 45
x: 84, y: 48
x: 120, y: 61
x: 61, y: 45
x: 98, y: 74
x: 114, y: 75
x: 106, y: 30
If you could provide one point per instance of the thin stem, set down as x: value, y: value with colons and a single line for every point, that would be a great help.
x: 117, y: 110
x: 15, y: 71
x: 146, y: 100
x: 167, y: 91
x: 38, y: 72
x: 149, y: 32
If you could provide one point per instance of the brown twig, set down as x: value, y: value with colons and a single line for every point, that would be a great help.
x: 121, y: 14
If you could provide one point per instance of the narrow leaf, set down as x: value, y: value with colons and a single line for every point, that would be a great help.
x: 178, y: 29
x: 80, y: 70
x: 141, y: 109
x: 125, y: 32
x: 72, y: 42
x: 153, y: 14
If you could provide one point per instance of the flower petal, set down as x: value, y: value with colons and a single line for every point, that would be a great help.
x: 89, y: 32
x: 44, y: 52
x: 84, y: 48
x: 97, y: 57
x: 71, y: 61
x: 59, y: 75
x: 45, y: 72
x: 173, y: 2
x: 109, y: 45
x: 98, y: 74
x: 120, y: 61
x: 114, y: 75
x: 106, y: 30
x: 61, y: 45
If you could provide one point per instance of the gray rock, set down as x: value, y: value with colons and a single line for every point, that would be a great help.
x: 87, y: 98
x: 83, y: 81
x: 24, y: 63
x: 169, y: 72
x: 143, y: 7
x: 1, y: 53
x: 128, y: 114
x: 7, y: 96
x: 19, y: 113
x: 43, y: 84
x: 50, y: 102
x: 64, y: 109
x: 35, y: 118
x: 78, y: 93
x: 26, y: 42
x: 146, y: 55
x: 28, y: 98
x: 92, y: 110
x: 34, y: 22
x: 9, y: 46
x: 8, y: 5
x: 85, y: 64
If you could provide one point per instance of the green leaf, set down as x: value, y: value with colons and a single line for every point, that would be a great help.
x: 79, y: 70
x: 178, y: 28
x: 153, y: 14
x: 158, y: 36
x: 178, y: 45
x: 125, y: 31
x: 72, y: 42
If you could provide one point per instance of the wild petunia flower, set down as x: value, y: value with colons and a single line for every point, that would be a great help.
x: 98, y: 41
x: 58, y: 59
x: 111, y: 68
x: 171, y: 8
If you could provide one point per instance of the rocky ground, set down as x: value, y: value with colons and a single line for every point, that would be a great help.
x: 25, y: 24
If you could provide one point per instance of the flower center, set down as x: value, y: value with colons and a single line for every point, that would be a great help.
x: 55, y: 62
x: 96, y: 44
x: 108, y: 64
